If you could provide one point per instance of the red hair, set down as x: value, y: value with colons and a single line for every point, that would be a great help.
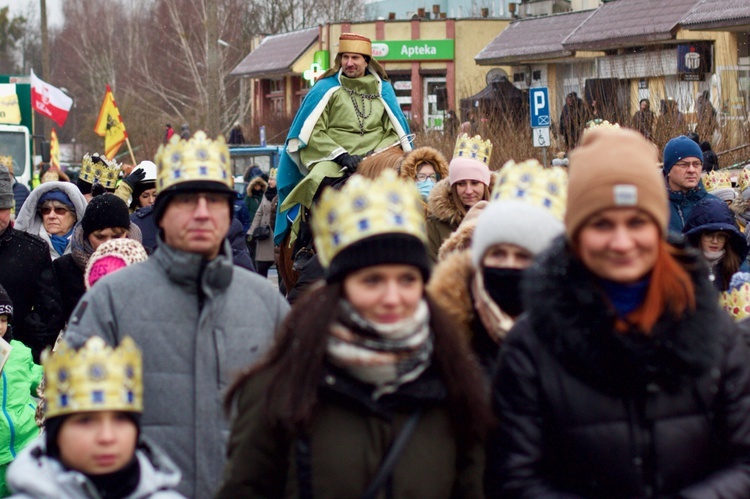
x: 671, y: 289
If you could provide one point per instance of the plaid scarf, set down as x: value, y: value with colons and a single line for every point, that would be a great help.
x: 384, y: 355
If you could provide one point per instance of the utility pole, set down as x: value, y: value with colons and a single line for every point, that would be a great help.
x: 45, y: 58
x: 213, y: 68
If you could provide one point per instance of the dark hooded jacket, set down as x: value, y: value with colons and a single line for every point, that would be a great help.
x: 681, y: 204
x: 589, y: 412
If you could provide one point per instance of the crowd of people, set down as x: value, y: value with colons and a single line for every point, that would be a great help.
x: 572, y: 331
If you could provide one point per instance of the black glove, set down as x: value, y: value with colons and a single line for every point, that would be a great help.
x: 136, y: 176
x: 348, y: 161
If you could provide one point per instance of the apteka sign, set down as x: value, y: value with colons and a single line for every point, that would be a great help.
x: 413, y: 50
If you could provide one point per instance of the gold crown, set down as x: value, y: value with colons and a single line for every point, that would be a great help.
x: 717, y: 179
x: 364, y: 208
x: 473, y: 147
x: 599, y: 123
x: 531, y: 183
x: 196, y: 159
x: 743, y: 181
x: 95, y: 168
x: 737, y: 302
x: 7, y: 161
x: 93, y: 378
x: 272, y: 173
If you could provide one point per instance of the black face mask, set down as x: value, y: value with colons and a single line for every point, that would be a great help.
x: 270, y: 193
x: 504, y: 287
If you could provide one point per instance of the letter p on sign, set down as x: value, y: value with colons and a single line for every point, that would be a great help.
x: 539, y: 105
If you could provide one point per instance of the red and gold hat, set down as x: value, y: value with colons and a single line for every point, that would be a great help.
x: 354, y: 43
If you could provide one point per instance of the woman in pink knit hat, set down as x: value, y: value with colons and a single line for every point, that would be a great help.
x: 467, y: 183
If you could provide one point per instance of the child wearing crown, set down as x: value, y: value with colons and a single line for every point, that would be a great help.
x: 20, y: 378
x: 91, y: 447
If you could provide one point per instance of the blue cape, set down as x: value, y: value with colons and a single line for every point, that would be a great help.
x: 288, y: 174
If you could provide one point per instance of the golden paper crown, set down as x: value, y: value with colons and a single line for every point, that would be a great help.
x: 95, y: 168
x: 737, y: 302
x: 7, y: 162
x: 473, y: 147
x: 743, y: 180
x: 94, y: 378
x: 364, y: 208
x: 598, y: 124
x: 531, y: 183
x: 272, y: 173
x: 717, y: 179
x: 196, y: 159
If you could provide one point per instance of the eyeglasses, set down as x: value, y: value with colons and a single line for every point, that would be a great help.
x: 720, y: 236
x: 687, y: 164
x: 59, y: 210
x: 423, y: 176
x: 190, y: 200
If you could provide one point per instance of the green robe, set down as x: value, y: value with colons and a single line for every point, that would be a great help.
x: 336, y: 132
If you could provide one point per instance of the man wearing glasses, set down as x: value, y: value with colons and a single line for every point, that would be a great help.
x: 683, y: 165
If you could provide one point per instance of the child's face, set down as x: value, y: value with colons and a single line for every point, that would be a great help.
x: 3, y: 325
x: 96, y: 443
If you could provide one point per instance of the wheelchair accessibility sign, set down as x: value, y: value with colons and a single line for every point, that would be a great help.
x: 539, y: 106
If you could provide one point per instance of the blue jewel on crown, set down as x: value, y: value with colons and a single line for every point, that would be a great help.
x: 97, y: 396
x: 336, y: 238
x: 202, y: 171
x: 201, y: 154
x: 97, y: 372
x: 130, y: 397
x: 331, y: 217
x: 129, y: 371
x: 62, y: 375
x: 394, y: 198
x: 359, y: 204
x: 398, y: 219
x: 363, y: 224
x: 63, y: 401
x: 547, y: 202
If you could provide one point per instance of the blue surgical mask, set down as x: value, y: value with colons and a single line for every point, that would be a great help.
x: 425, y: 186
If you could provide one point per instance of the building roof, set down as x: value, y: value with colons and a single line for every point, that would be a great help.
x: 276, y: 54
x: 621, y: 23
x: 718, y: 14
x: 532, y: 39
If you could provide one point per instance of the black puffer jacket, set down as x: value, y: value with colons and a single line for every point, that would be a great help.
x: 588, y: 412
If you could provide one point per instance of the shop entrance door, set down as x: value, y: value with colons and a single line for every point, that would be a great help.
x: 434, y: 102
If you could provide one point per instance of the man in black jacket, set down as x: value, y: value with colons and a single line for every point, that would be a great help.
x: 27, y: 275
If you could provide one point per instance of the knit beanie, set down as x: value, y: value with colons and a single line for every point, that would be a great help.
x: 112, y: 256
x: 468, y: 169
x: 6, y: 304
x: 6, y: 189
x: 614, y: 168
x: 679, y: 148
x: 105, y: 211
x: 56, y: 195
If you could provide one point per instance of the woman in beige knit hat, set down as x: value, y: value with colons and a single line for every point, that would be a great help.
x: 624, y: 378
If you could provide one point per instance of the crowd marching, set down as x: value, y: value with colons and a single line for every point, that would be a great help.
x: 572, y: 331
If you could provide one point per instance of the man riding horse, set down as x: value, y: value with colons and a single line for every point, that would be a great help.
x: 349, y: 112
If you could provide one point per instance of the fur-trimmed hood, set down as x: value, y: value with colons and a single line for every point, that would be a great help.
x: 450, y: 287
x: 254, y: 182
x: 441, y: 202
x: 421, y: 155
x: 570, y: 314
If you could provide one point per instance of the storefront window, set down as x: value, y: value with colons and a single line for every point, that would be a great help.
x: 434, y: 104
x: 402, y: 86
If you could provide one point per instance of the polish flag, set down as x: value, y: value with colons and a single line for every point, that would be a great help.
x: 49, y: 101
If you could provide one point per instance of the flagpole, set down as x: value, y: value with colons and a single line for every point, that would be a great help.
x: 132, y: 156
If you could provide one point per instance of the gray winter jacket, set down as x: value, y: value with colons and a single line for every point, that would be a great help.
x: 198, y: 324
x: 29, y: 220
x: 36, y: 475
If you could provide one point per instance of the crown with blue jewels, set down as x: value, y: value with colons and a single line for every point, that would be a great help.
x: 531, y: 183
x: 98, y: 169
x: 364, y: 208
x: 473, y: 147
x: 196, y: 159
x: 95, y: 377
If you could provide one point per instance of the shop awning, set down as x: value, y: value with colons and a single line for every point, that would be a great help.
x: 532, y: 39
x: 276, y: 54
x: 626, y: 23
x: 719, y: 14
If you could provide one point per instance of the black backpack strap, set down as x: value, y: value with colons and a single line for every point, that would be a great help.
x: 389, y: 461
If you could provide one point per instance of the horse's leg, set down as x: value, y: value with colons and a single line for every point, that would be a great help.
x: 286, y: 260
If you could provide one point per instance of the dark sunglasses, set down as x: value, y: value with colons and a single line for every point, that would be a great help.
x: 58, y: 210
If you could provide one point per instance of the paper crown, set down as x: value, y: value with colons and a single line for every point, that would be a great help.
x: 743, y: 180
x: 354, y: 43
x: 473, y: 147
x: 95, y: 377
x: 95, y: 168
x: 7, y: 162
x: 531, y: 183
x: 717, y: 179
x: 599, y: 123
x: 364, y: 208
x: 196, y: 159
x: 737, y: 302
x: 272, y: 172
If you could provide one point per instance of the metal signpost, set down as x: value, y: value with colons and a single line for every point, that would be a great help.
x: 540, y: 119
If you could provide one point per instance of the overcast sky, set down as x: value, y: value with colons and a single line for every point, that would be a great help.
x: 21, y: 7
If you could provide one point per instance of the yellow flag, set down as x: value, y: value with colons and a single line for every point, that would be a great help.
x: 54, y: 150
x: 110, y: 126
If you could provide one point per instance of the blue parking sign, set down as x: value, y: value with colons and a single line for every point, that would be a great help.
x: 539, y: 107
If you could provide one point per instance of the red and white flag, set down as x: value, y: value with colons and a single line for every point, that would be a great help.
x: 49, y: 101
